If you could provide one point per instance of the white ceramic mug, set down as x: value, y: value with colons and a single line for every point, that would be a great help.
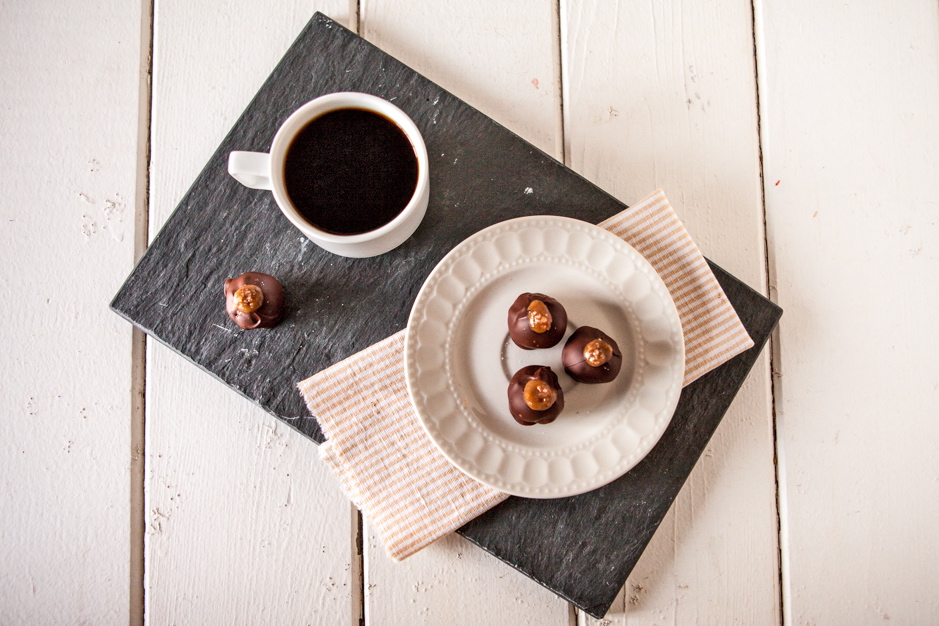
x: 262, y: 170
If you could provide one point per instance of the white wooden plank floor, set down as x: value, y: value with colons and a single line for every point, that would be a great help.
x: 850, y: 110
x: 800, y: 145
x: 68, y: 166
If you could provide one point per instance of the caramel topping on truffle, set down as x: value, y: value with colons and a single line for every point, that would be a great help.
x: 597, y: 352
x: 539, y: 317
x: 248, y: 299
x: 539, y: 395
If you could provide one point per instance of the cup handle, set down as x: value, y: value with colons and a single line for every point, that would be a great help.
x: 251, y: 169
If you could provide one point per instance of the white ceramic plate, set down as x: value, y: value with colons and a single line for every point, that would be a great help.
x: 459, y: 358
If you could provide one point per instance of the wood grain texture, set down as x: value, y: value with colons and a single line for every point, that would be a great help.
x: 496, y: 56
x: 849, y: 95
x: 664, y: 95
x: 245, y: 525
x: 252, y: 530
x: 69, y: 78
x: 453, y: 581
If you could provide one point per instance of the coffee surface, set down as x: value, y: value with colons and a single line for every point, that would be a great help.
x: 350, y: 171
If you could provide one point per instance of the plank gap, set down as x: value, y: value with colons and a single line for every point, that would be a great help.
x: 769, y: 269
x: 355, y: 12
x: 137, y: 475
x: 560, y: 30
x: 138, y: 383
x: 560, y: 151
x: 358, y: 571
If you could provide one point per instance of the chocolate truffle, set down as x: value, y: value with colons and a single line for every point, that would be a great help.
x: 590, y: 356
x: 254, y: 300
x: 535, y: 397
x: 536, y: 321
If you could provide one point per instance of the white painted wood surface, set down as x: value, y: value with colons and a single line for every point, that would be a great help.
x: 663, y: 95
x: 243, y: 523
x: 850, y: 110
x: 68, y: 130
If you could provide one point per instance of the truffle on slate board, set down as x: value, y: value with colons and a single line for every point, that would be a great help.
x: 254, y: 300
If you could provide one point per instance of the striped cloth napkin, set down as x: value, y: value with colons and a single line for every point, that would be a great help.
x: 389, y: 467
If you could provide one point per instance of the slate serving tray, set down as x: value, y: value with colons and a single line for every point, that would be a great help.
x: 583, y: 547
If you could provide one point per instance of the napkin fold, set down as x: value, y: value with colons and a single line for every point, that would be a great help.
x: 391, y: 470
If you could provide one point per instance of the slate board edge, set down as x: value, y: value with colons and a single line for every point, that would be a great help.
x: 313, y: 428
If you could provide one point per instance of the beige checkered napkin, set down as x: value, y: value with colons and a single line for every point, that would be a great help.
x: 389, y: 467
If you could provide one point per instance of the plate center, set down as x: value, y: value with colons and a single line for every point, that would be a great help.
x: 484, y: 359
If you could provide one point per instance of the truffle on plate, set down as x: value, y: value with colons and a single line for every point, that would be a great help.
x: 591, y: 356
x: 536, y: 321
x: 535, y: 397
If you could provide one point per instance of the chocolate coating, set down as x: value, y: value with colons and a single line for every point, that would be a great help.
x: 272, y: 308
x: 520, y: 330
x: 523, y: 413
x: 577, y: 367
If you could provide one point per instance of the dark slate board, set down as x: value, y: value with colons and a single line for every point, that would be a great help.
x: 582, y: 548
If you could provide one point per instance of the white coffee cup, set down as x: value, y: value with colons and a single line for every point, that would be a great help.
x: 262, y: 170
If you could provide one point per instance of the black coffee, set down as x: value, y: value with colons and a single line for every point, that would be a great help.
x: 350, y: 171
